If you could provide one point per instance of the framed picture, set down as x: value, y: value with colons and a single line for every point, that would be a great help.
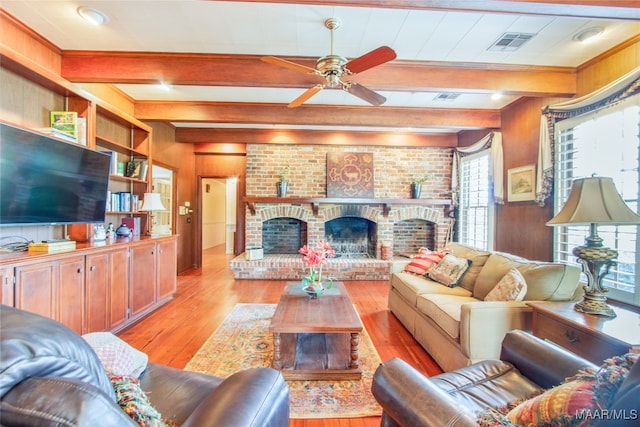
x: 65, y: 122
x: 521, y: 184
x: 350, y: 175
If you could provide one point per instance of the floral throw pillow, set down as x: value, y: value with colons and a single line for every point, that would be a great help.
x: 420, y: 263
x: 573, y: 403
x: 449, y: 271
x: 512, y: 287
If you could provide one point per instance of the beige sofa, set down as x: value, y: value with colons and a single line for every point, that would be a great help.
x: 454, y: 324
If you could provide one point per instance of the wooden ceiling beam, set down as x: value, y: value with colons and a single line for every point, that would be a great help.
x: 207, y: 137
x: 250, y: 71
x: 327, y: 115
x: 627, y: 10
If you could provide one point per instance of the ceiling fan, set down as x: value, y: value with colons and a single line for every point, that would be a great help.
x: 334, y: 67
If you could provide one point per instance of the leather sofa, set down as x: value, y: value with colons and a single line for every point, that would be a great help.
x: 50, y: 376
x: 455, y: 398
x: 454, y: 324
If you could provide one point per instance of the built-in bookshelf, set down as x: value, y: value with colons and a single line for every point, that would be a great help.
x: 129, y: 144
x: 31, y: 96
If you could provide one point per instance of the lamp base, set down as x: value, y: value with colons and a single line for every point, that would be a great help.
x: 595, y: 303
x: 596, y: 262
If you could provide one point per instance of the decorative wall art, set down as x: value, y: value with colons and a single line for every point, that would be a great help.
x: 350, y: 175
x: 521, y: 183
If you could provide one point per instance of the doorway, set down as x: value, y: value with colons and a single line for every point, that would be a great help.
x: 218, y: 219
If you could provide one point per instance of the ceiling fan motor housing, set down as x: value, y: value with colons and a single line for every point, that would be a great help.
x: 331, y: 68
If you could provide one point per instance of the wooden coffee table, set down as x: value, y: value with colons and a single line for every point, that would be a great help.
x: 316, y: 339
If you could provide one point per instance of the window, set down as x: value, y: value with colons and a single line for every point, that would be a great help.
x: 606, y: 143
x: 475, y: 226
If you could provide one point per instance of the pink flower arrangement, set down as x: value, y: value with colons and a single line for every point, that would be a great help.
x: 315, y: 258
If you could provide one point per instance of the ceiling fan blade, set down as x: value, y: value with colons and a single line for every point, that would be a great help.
x: 306, y: 95
x: 288, y: 64
x: 364, y: 93
x: 372, y: 59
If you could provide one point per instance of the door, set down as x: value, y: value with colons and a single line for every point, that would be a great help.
x: 71, y: 285
x: 167, y: 268
x: 7, y: 289
x: 118, y: 287
x: 36, y: 288
x: 142, y: 292
x: 97, y: 292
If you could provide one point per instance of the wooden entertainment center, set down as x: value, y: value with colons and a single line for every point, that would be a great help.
x: 101, y: 286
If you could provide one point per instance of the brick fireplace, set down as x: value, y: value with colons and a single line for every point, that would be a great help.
x: 357, y: 229
x: 403, y: 228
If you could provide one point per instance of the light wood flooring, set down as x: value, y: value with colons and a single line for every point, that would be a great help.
x: 175, y: 332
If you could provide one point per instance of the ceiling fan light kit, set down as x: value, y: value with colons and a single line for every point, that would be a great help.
x: 332, y: 68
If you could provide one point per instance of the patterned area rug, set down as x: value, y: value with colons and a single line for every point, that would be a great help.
x: 243, y: 341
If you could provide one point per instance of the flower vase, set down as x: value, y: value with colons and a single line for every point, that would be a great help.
x: 281, y: 188
x: 314, y: 289
x: 415, y: 191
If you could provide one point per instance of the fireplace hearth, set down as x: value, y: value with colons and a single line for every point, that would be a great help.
x: 355, y: 231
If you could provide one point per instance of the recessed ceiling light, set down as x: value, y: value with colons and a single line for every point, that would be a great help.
x: 588, y: 34
x: 92, y: 16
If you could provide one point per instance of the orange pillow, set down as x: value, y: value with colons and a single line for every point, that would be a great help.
x: 422, y: 262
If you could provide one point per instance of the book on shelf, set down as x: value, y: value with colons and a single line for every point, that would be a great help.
x: 56, y: 134
x: 51, y: 247
x: 113, y: 167
x: 65, y: 122
x: 122, y: 201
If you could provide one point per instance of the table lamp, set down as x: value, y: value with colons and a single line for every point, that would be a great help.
x: 594, y: 201
x: 151, y: 203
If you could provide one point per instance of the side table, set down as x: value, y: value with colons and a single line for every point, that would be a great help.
x: 593, y: 337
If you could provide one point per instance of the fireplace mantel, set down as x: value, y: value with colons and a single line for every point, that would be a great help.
x: 315, y: 202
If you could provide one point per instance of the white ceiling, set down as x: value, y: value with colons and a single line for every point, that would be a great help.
x: 297, y: 30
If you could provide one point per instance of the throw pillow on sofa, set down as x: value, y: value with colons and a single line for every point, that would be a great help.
x: 422, y: 262
x: 512, y: 287
x: 449, y: 271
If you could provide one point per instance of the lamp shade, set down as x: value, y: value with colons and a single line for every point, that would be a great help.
x: 595, y: 200
x: 152, y: 202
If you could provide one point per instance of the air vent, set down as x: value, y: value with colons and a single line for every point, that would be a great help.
x: 446, y: 97
x: 509, y: 42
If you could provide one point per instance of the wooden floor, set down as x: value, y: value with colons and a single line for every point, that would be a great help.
x: 175, y: 332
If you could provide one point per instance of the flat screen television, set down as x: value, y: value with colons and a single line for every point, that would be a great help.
x: 48, y: 181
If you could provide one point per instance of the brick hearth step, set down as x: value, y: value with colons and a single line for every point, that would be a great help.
x: 290, y: 267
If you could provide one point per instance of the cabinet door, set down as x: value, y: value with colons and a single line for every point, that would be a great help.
x: 119, y: 287
x: 167, y: 268
x: 36, y: 288
x: 71, y: 293
x: 97, y: 298
x: 6, y: 286
x: 143, y: 277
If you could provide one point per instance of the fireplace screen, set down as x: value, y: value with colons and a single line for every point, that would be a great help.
x: 352, y: 237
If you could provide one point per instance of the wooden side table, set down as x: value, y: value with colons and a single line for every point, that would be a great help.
x: 593, y: 337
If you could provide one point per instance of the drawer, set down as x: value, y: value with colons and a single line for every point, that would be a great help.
x: 591, y: 347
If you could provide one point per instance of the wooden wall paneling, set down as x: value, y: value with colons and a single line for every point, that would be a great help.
x: 520, y: 226
x: 181, y: 158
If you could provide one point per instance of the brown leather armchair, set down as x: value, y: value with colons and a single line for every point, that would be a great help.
x: 50, y: 376
x: 454, y: 398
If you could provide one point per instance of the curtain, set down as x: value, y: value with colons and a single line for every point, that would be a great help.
x: 493, y: 141
x: 615, y: 92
